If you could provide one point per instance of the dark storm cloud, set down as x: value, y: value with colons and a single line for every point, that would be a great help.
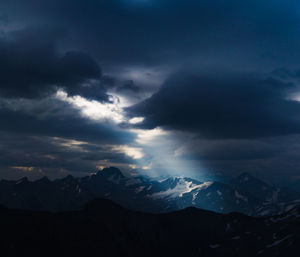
x: 222, y: 106
x: 127, y: 32
x: 206, y: 35
x: 128, y: 86
x: 63, y: 121
x: 239, y: 122
x: 53, y: 157
x: 273, y: 159
x: 229, y: 149
x: 49, y: 137
x: 32, y: 66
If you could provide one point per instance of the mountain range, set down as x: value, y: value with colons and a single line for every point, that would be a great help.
x: 244, y: 194
x: 103, y: 228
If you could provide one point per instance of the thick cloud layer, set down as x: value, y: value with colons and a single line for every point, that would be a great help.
x: 168, y: 31
x: 228, y: 106
x: 35, y: 156
x: 32, y: 67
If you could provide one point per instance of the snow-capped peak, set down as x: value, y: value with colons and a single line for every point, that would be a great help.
x: 182, y: 187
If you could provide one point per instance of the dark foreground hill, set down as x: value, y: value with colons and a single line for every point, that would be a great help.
x: 103, y: 228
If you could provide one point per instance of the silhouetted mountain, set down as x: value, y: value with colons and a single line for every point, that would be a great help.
x: 245, y: 194
x: 273, y: 200
x: 262, y: 190
x: 103, y: 228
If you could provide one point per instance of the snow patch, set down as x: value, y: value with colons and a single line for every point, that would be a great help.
x: 194, y: 197
x: 238, y: 195
x: 277, y: 242
x: 182, y: 187
x: 139, y: 189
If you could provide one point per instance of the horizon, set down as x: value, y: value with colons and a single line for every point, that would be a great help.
x: 137, y: 174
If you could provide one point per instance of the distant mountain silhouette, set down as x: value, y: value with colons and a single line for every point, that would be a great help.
x: 245, y: 194
x: 103, y: 228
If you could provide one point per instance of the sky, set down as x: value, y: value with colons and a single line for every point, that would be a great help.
x: 205, y: 89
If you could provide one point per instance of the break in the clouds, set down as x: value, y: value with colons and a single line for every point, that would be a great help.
x: 236, y: 121
x: 163, y: 87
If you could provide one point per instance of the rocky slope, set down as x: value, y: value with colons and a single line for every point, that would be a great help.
x: 244, y: 194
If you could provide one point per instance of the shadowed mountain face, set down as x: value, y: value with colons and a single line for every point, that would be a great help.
x: 244, y: 194
x: 103, y: 228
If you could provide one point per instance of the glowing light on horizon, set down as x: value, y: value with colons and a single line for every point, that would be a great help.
x: 23, y: 168
x: 70, y: 143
